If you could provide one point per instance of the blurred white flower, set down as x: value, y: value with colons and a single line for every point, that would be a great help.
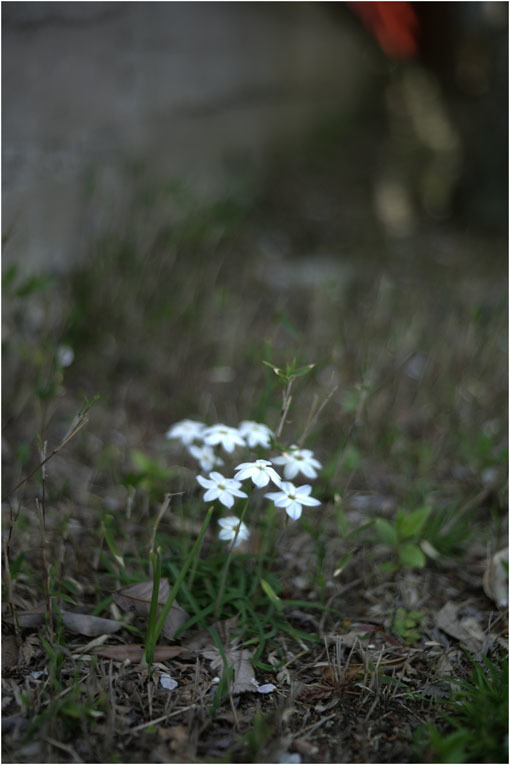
x: 186, y: 431
x: 255, y: 434
x: 65, y: 355
x: 259, y: 471
x: 229, y: 438
x: 296, y: 461
x: 230, y: 527
x: 205, y: 456
x: 219, y: 487
x: 168, y: 682
x: 266, y: 688
x: 292, y: 498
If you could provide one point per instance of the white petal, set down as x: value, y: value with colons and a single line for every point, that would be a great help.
x: 260, y: 479
x: 205, y: 482
x: 294, y: 510
x: 308, y: 500
x: 243, y: 474
x: 168, y: 682
x: 267, y: 688
x: 244, y: 466
x: 226, y: 498
x: 211, y: 494
x: 290, y: 470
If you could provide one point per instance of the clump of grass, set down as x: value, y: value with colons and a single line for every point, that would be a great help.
x: 474, y: 725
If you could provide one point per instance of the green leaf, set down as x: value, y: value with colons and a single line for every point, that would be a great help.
x: 34, y: 284
x: 411, y: 556
x: 412, y: 523
x: 271, y: 594
x: 386, y: 532
x: 342, y: 563
x: 388, y: 567
x: 110, y: 541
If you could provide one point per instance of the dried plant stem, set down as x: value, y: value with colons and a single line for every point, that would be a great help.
x: 314, y: 414
x: 286, y: 402
x: 8, y: 587
x: 46, y: 577
x: 164, y: 507
x: 7, y: 575
x: 80, y: 422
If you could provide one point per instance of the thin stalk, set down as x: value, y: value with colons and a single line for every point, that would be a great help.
x: 286, y: 402
x: 45, y: 565
x: 194, y: 567
x: 175, y: 589
x: 150, y: 642
x: 41, y: 507
x: 227, y: 564
x: 82, y: 421
x: 162, y: 509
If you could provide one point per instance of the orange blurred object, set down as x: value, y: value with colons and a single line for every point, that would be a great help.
x: 393, y: 24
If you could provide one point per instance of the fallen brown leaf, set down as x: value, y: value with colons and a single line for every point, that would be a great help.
x: 495, y: 578
x: 10, y: 652
x: 448, y: 621
x: 137, y: 598
x: 82, y: 624
x: 134, y: 652
x: 239, y: 660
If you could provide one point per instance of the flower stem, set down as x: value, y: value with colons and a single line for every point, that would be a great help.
x: 152, y: 639
x: 219, y: 600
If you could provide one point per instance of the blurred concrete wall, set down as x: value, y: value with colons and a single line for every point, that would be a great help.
x: 173, y: 86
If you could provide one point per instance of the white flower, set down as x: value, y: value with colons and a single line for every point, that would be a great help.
x: 187, y: 431
x: 219, y: 487
x: 259, y: 471
x: 206, y: 456
x: 255, y: 434
x: 65, y: 355
x: 168, y: 682
x: 232, y: 526
x: 296, y: 461
x: 292, y: 497
x: 229, y: 438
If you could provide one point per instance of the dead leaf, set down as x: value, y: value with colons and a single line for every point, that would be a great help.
x: 176, y: 735
x: 495, y: 578
x: 134, y: 652
x: 239, y: 660
x: 10, y: 652
x: 90, y: 626
x: 448, y: 621
x: 137, y: 598
x: 82, y: 624
x: 29, y: 647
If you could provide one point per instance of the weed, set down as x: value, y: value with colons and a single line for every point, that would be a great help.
x: 402, y: 537
x: 475, y: 722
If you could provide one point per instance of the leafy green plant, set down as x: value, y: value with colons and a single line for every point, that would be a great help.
x: 475, y: 721
x: 407, y: 624
x: 403, y: 537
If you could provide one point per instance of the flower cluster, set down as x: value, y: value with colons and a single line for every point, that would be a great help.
x: 200, y: 441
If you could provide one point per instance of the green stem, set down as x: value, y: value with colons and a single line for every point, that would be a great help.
x: 219, y: 600
x: 175, y: 589
x: 150, y: 640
